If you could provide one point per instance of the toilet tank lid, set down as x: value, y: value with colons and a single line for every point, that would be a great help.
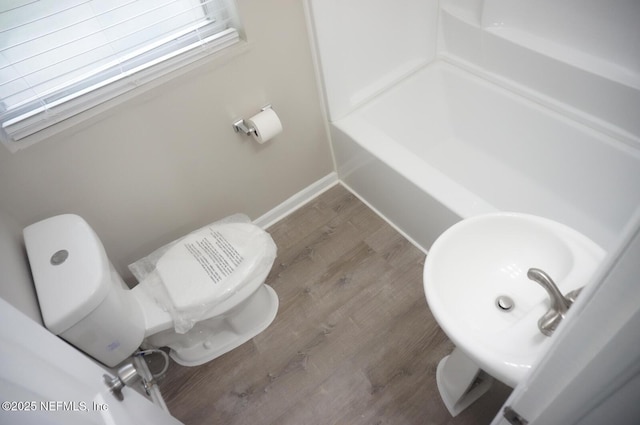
x: 70, y: 269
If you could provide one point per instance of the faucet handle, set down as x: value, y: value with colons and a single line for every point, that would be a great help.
x: 559, y: 303
x: 549, y: 322
x: 572, y: 295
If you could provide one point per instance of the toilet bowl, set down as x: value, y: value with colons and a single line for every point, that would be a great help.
x: 204, y: 296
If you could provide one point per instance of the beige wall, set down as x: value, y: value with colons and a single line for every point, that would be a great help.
x: 167, y: 161
x: 15, y: 278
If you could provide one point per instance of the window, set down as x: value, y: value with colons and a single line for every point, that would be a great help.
x: 61, y: 57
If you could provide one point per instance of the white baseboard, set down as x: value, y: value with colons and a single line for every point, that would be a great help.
x: 297, y: 201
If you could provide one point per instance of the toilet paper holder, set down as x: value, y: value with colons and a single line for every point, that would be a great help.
x: 241, y: 126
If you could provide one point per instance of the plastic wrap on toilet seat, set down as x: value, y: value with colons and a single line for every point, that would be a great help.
x: 189, y: 277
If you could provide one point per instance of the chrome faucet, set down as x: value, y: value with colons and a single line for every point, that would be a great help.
x: 559, y: 303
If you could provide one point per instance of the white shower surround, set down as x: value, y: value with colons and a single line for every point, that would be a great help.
x: 500, y: 119
x: 444, y: 144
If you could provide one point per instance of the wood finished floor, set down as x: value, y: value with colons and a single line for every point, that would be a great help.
x: 353, y: 342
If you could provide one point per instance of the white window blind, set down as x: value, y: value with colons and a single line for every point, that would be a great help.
x: 61, y: 57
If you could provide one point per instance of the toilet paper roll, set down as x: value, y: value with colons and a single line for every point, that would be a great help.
x: 266, y: 125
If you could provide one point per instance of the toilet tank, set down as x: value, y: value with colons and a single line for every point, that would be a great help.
x: 82, y: 298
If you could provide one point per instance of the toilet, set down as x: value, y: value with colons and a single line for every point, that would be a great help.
x: 203, y: 296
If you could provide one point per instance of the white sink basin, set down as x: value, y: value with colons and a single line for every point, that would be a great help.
x: 482, y: 258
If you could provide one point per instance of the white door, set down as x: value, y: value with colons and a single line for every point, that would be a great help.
x: 591, y: 374
x: 43, y: 380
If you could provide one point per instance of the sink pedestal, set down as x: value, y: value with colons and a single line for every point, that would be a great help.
x: 460, y: 381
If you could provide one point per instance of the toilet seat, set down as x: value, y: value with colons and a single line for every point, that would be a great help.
x: 157, y: 318
x: 205, y: 274
x: 216, y: 277
x: 210, y: 265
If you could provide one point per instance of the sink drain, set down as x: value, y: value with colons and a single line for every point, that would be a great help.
x: 504, y: 303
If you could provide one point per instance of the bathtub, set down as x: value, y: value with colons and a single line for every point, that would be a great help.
x: 444, y: 144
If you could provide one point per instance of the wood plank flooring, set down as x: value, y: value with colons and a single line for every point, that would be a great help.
x: 353, y: 342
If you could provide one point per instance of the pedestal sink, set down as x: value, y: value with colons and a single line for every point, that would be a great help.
x: 475, y: 281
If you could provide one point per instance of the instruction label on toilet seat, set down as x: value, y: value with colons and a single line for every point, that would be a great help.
x: 216, y: 255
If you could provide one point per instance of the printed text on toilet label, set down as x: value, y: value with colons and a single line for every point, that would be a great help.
x: 216, y: 255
